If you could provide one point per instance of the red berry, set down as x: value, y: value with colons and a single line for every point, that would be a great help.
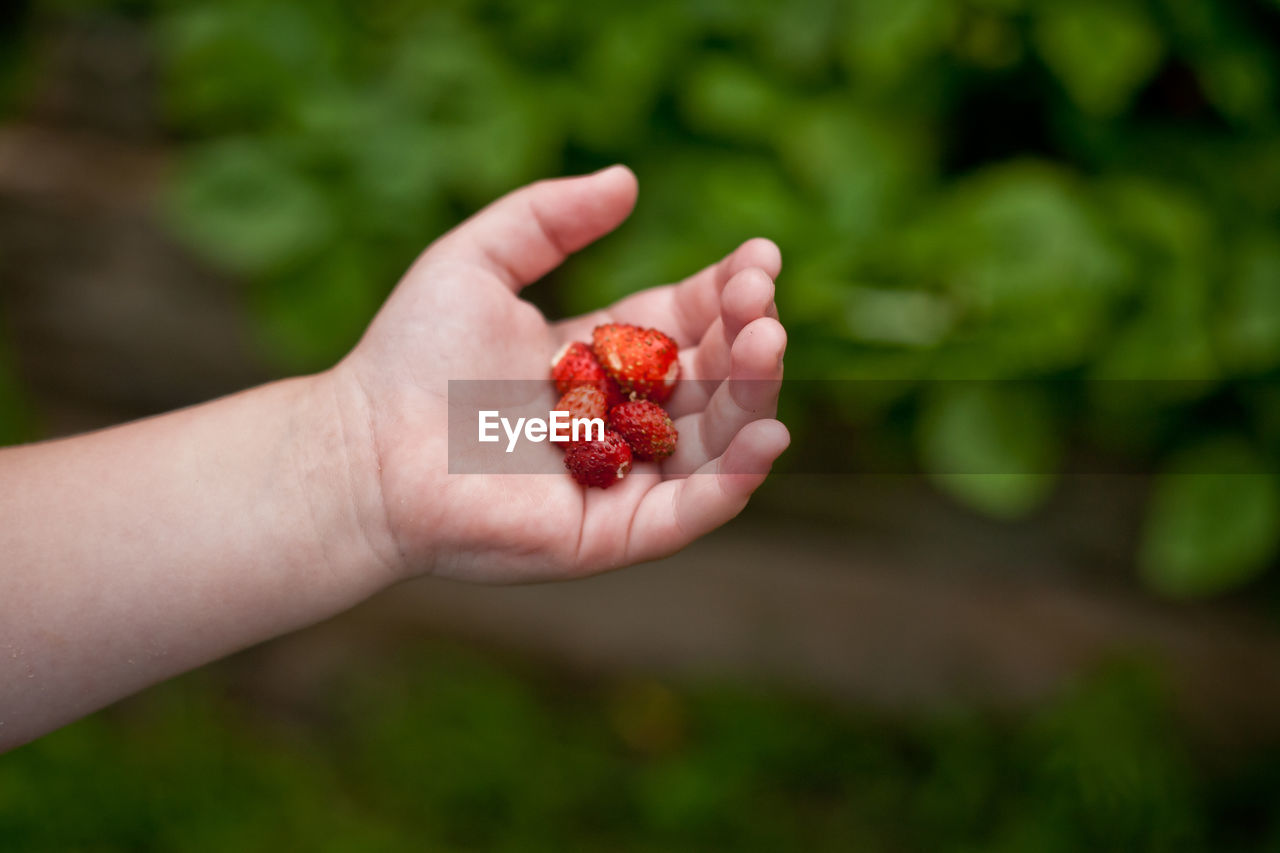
x: 584, y: 401
x: 599, y: 463
x: 642, y: 361
x: 646, y: 427
x: 575, y: 365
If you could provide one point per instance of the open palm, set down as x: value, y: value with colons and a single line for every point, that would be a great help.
x: 457, y: 315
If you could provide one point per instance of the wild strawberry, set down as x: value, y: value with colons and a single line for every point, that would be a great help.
x: 599, y: 463
x: 646, y: 427
x: 584, y: 401
x: 642, y: 361
x: 575, y: 365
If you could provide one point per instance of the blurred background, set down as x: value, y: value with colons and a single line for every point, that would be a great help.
x: 1032, y: 259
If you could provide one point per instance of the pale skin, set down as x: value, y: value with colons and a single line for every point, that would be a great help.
x: 138, y: 552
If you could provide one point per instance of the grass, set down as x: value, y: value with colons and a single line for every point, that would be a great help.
x: 444, y: 749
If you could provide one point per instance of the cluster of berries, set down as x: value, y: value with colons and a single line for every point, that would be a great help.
x: 622, y: 378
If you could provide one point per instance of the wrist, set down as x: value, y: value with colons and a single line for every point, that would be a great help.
x: 339, y: 466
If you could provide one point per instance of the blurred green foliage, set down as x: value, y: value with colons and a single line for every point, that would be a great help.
x: 439, y: 750
x: 1073, y: 193
x: 1026, y: 189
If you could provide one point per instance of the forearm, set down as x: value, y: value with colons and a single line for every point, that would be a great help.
x: 138, y: 552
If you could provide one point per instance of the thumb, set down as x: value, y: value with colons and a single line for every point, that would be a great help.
x: 529, y: 232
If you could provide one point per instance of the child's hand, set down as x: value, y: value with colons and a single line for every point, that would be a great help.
x: 137, y: 552
x: 457, y: 314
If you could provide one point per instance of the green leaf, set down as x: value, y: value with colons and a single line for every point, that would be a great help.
x: 309, y: 319
x: 730, y: 98
x: 1027, y: 264
x: 1240, y: 80
x: 860, y: 164
x: 613, y: 89
x: 989, y: 445
x: 886, y: 39
x: 799, y: 44
x: 235, y: 65
x: 1248, y: 327
x: 1213, y: 523
x: 490, y: 127
x: 246, y: 208
x: 1169, y: 238
x: 1101, y: 51
x: 904, y: 317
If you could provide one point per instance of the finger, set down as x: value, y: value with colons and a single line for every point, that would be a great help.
x: 676, y: 512
x: 527, y: 233
x: 749, y: 394
x: 748, y: 296
x: 696, y: 300
x: 684, y: 310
